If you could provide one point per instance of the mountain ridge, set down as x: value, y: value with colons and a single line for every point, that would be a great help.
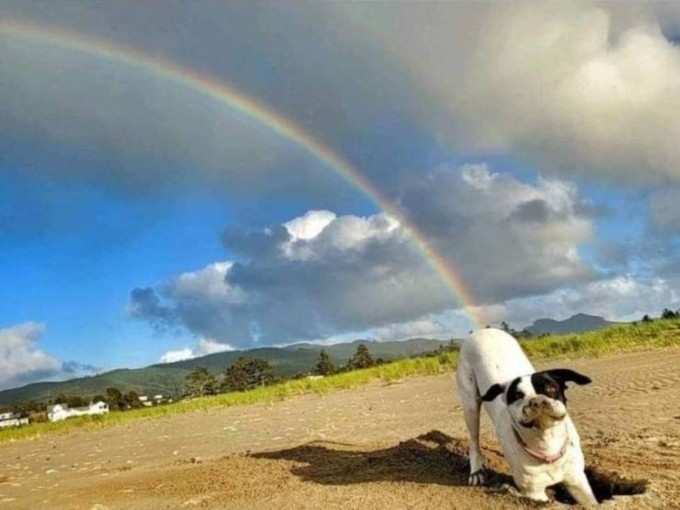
x: 577, y: 323
x: 168, y: 378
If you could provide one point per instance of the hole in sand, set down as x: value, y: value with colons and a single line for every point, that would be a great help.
x: 606, y: 485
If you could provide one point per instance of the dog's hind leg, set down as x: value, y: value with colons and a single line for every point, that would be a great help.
x: 471, y: 401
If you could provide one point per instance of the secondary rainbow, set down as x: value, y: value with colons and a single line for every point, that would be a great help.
x: 236, y: 100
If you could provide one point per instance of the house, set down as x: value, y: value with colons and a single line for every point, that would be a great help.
x: 59, y: 412
x: 153, y: 401
x: 12, y: 420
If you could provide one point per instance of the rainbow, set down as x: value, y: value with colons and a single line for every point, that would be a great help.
x: 249, y: 107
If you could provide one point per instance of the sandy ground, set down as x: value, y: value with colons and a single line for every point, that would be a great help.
x: 382, y: 446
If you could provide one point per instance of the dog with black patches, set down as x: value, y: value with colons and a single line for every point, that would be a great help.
x: 529, y: 412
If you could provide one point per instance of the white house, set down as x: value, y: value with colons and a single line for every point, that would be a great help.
x: 60, y: 412
x: 153, y: 401
x: 12, y: 420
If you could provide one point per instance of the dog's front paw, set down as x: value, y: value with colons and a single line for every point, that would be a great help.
x: 477, y: 478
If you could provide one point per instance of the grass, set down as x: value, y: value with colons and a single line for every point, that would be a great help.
x: 624, y: 338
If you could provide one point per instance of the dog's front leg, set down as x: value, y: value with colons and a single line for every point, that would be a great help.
x: 579, y: 487
x: 535, y: 493
x: 471, y: 412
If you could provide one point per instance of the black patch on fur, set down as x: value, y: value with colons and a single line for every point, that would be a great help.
x: 514, y: 393
x: 492, y: 392
x: 545, y: 384
x: 566, y: 375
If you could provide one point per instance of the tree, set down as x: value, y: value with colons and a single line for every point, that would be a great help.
x: 247, y: 373
x: 646, y: 318
x: 361, y: 359
x: 669, y: 314
x: 506, y: 327
x: 132, y: 400
x: 324, y: 366
x: 76, y: 401
x: 115, y: 399
x: 200, y: 382
x: 61, y: 398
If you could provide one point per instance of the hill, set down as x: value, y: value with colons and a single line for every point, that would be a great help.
x: 578, y: 323
x: 168, y: 378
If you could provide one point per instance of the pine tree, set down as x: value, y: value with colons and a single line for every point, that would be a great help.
x: 324, y: 366
x: 361, y: 359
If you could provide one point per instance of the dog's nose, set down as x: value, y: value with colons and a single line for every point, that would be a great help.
x: 538, y: 403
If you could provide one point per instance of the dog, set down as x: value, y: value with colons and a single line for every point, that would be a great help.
x: 529, y: 412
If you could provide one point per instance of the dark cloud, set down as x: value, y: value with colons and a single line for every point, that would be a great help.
x: 532, y: 211
x: 145, y: 303
x: 505, y: 237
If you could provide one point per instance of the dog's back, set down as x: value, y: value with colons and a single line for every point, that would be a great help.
x: 495, y: 357
x: 490, y: 356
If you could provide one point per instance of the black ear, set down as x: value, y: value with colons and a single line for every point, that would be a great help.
x: 564, y: 375
x: 493, y: 392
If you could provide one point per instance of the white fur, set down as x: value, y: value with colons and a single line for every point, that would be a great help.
x: 491, y: 356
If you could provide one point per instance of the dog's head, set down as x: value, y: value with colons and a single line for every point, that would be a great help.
x: 537, y: 400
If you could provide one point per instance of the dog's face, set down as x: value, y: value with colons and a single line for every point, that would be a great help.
x: 537, y: 400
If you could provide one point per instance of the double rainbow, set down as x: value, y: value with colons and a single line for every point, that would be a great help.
x: 226, y: 95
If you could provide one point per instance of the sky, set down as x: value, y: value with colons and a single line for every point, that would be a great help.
x: 179, y: 181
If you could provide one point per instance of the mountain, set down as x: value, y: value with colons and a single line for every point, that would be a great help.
x: 574, y: 324
x: 168, y: 378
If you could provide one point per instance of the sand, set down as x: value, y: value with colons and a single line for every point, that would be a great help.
x: 383, y: 446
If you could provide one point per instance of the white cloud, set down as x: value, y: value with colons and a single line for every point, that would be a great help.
x: 557, y: 82
x: 309, y: 225
x: 621, y: 298
x: 23, y: 362
x: 20, y: 358
x: 178, y: 355
x: 204, y: 347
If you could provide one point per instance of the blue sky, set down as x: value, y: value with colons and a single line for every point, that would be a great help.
x: 141, y: 221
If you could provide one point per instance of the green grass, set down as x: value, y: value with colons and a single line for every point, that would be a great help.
x: 624, y: 338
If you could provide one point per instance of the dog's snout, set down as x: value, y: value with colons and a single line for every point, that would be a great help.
x: 539, y: 403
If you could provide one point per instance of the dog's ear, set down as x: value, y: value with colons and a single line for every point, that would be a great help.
x: 493, y: 392
x: 564, y: 375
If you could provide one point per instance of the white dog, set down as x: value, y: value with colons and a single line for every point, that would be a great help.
x: 537, y: 436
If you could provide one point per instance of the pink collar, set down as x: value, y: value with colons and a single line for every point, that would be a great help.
x: 547, y: 459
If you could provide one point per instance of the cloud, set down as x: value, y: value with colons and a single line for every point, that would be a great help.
x: 321, y: 275
x: 665, y: 210
x: 204, y: 347
x: 576, y: 87
x: 506, y: 238
x: 23, y: 362
x: 620, y: 298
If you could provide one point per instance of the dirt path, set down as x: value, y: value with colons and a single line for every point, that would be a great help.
x: 381, y: 446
